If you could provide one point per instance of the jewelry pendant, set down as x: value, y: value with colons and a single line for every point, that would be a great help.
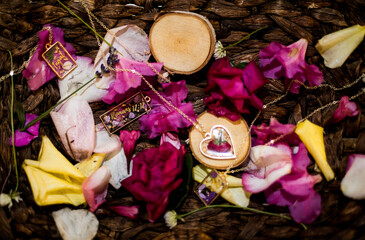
x: 211, y: 187
x: 59, y: 60
x: 125, y: 112
x: 218, y: 144
x: 226, y: 145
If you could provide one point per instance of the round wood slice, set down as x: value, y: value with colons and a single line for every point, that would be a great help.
x: 239, y: 133
x: 183, y: 41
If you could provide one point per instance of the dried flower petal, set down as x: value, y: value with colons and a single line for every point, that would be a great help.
x: 74, y: 122
x: 235, y: 86
x: 129, y: 139
x: 352, y: 185
x: 119, y: 169
x: 24, y: 138
x: 170, y: 138
x: 336, y: 47
x: 345, y: 109
x: 312, y: 136
x: 78, y: 77
x: 295, y: 190
x: 53, y: 179
x: 267, y: 164
x: 127, y: 80
x: 155, y: 175
x: 273, y: 131
x: 277, y: 61
x: 95, y: 187
x: 37, y: 71
x: 105, y: 142
x: 79, y: 224
x: 126, y: 211
x: 163, y: 118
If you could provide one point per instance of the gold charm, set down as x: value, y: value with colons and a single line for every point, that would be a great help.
x: 125, y: 112
x: 59, y: 60
x: 211, y: 187
x: 226, y: 145
x: 218, y: 144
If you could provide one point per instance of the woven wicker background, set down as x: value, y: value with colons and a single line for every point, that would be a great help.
x: 341, y: 218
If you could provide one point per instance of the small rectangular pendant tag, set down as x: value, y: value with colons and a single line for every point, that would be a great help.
x: 211, y: 187
x: 59, y: 60
x: 125, y: 112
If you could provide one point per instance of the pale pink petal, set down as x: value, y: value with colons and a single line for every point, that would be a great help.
x: 74, y: 122
x: 171, y: 138
x: 352, y: 185
x: 126, y: 211
x: 79, y: 76
x: 95, y: 187
x: 267, y: 164
x: 106, y: 143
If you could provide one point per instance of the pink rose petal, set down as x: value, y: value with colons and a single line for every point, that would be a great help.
x: 170, y: 138
x: 106, y: 143
x: 37, y: 72
x: 129, y: 139
x: 352, y: 185
x: 74, y: 122
x: 267, y: 164
x: 95, y: 187
x: 345, y: 109
x: 279, y: 61
x: 129, y: 212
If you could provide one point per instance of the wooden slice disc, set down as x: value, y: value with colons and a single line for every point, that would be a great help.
x: 183, y: 41
x: 240, y: 136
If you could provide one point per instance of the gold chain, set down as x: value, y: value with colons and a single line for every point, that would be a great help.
x: 91, y: 15
x: 25, y: 63
x: 195, y: 123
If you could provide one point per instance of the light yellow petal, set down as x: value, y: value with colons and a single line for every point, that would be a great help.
x: 87, y: 167
x: 234, y: 194
x: 48, y: 189
x: 312, y: 137
x: 52, y: 161
x: 336, y: 47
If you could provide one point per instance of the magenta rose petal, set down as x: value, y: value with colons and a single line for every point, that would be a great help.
x: 37, y: 72
x: 24, y: 138
x: 129, y: 139
x: 130, y: 212
x: 155, y: 175
x: 163, y: 118
x: 306, y: 210
x: 288, y: 62
x: 345, y: 109
x: 234, y: 87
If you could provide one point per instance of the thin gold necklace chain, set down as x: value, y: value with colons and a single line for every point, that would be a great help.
x: 91, y: 15
x: 32, y: 51
x: 195, y: 123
